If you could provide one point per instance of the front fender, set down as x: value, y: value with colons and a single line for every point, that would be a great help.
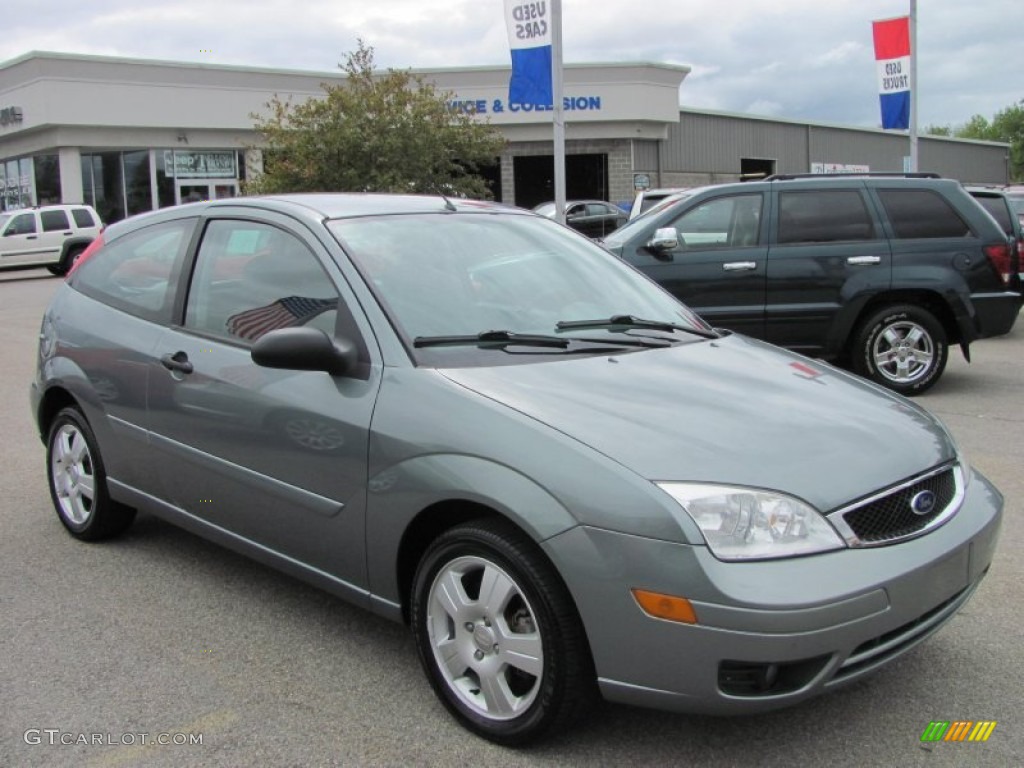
x: 399, y: 494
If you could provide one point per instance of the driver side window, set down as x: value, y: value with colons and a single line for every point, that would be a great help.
x: 254, y: 278
x: 723, y: 222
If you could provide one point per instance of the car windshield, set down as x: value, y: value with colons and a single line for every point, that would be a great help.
x: 545, y: 209
x: 444, y: 275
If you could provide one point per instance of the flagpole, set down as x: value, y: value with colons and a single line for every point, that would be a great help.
x: 557, y: 116
x: 915, y: 88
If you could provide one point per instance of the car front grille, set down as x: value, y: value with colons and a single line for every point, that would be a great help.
x: 891, y: 516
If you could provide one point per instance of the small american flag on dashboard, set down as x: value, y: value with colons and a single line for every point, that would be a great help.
x: 283, y: 313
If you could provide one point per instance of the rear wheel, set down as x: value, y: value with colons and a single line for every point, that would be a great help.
x: 67, y: 261
x: 901, y: 347
x: 78, y: 482
x: 498, y: 635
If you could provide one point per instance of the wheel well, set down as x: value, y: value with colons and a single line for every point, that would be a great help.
x: 928, y: 300
x: 427, y: 526
x: 53, y: 401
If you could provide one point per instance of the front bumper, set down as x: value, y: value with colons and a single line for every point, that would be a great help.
x: 769, y: 633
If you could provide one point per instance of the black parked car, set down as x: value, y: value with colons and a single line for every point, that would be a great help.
x: 594, y: 218
x: 877, y: 272
x: 1000, y: 205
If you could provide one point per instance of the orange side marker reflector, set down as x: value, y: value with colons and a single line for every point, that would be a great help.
x: 665, y: 606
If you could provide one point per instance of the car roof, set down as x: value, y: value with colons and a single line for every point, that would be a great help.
x: 317, y: 206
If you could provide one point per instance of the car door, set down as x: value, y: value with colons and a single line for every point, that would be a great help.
x: 277, y: 457
x: 20, y: 242
x: 718, y: 264
x: 828, y: 253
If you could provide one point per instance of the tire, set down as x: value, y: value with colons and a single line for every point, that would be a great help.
x: 78, y: 482
x: 902, y: 347
x: 510, y: 662
x: 62, y: 267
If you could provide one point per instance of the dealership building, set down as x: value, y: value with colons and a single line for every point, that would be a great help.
x: 132, y: 135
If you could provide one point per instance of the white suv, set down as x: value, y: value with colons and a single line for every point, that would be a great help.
x: 50, y: 236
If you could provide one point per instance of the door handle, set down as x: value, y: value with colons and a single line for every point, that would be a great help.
x: 32, y: 237
x: 68, y: 234
x: 739, y: 266
x: 859, y: 261
x: 177, y: 362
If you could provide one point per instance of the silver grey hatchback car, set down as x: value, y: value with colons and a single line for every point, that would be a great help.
x: 470, y: 419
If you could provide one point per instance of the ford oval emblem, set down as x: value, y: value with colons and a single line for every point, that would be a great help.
x: 923, y: 503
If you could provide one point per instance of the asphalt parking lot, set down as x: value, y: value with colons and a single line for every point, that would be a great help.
x: 162, y: 634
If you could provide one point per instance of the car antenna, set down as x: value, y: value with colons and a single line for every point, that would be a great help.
x: 448, y: 204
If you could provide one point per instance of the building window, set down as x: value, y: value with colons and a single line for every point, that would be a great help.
x: 103, y: 185
x: 164, y: 181
x: 47, y: 170
x: 136, y: 181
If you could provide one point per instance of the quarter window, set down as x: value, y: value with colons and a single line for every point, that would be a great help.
x: 254, y: 278
x: 824, y: 216
x: 54, y: 221
x: 138, y: 273
x: 83, y: 217
x: 921, y: 213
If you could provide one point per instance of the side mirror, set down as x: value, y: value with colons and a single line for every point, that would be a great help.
x: 665, y: 239
x: 304, y: 349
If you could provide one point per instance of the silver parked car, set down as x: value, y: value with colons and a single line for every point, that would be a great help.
x: 470, y: 419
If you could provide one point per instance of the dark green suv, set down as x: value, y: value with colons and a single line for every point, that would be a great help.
x: 880, y: 273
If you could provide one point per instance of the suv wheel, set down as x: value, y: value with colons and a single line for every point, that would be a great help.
x: 78, y: 482
x: 901, y: 347
x: 498, y: 634
x: 67, y: 260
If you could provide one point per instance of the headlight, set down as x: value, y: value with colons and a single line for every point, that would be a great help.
x: 747, y: 524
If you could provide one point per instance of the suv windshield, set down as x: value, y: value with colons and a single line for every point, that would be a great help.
x: 463, y: 275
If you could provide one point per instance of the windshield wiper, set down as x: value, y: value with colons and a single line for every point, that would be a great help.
x: 629, y: 322
x: 499, y: 338
x: 508, y: 338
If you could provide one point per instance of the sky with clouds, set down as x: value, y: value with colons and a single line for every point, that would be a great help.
x: 799, y: 59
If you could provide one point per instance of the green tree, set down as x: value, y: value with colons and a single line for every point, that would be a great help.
x: 1007, y: 125
x: 390, y: 132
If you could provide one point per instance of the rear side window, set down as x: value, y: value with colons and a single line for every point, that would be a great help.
x: 999, y: 209
x: 138, y: 273
x: 824, y: 216
x: 54, y: 221
x: 83, y: 217
x: 921, y: 213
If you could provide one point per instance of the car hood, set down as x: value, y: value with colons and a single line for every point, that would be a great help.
x: 734, y: 411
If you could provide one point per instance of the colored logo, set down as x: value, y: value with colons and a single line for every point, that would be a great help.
x: 958, y: 730
x: 923, y: 503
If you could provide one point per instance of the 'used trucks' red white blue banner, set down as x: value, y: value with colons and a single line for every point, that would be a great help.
x: 892, y: 56
x: 529, y: 37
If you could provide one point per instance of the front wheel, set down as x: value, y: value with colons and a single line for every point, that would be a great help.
x: 901, y: 347
x: 78, y: 482
x: 498, y: 635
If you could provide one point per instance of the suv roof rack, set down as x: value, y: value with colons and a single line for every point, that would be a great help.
x: 854, y: 174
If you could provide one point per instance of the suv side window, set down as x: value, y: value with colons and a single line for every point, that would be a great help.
x: 824, y: 215
x: 921, y: 213
x: 253, y: 278
x: 54, y: 221
x: 82, y: 217
x: 138, y: 273
x: 22, y: 224
x: 731, y: 221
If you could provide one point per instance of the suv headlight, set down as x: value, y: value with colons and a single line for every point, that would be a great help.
x: 749, y: 524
